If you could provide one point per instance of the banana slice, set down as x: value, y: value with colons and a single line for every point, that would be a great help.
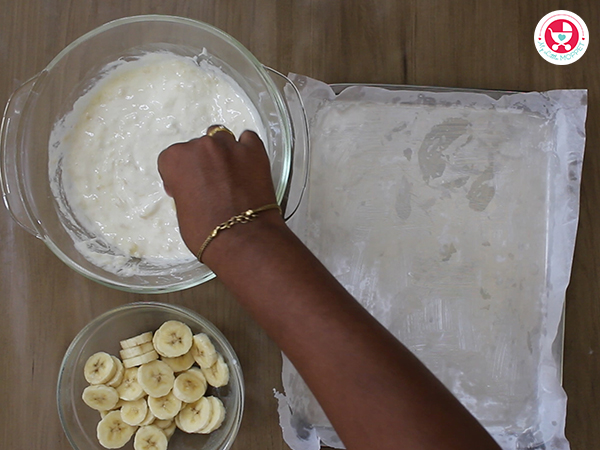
x: 112, y: 432
x: 137, y: 340
x: 156, y: 378
x: 100, y: 397
x: 190, y: 385
x: 172, y: 339
x: 204, y: 351
x: 130, y: 389
x: 133, y: 413
x: 150, y: 438
x: 118, y: 406
x: 165, y: 407
x: 139, y: 360
x: 180, y: 363
x: 194, y: 416
x: 163, y: 423
x: 99, y: 368
x: 217, y: 417
x: 170, y: 430
x: 149, y: 419
x: 138, y: 350
x: 218, y: 374
x: 117, y: 379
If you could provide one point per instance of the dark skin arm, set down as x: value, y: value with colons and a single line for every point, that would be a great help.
x: 375, y: 392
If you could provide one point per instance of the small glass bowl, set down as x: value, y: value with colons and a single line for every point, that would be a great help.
x: 79, y: 421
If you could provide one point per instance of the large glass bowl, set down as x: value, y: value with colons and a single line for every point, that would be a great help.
x: 38, y: 104
x: 103, y: 334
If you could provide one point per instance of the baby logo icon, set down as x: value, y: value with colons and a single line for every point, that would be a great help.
x: 561, y: 37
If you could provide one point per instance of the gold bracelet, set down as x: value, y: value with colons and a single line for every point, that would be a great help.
x: 245, y: 217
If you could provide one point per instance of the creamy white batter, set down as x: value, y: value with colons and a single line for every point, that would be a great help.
x: 107, y: 149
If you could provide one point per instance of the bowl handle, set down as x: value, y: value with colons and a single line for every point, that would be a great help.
x: 298, y: 178
x: 10, y: 153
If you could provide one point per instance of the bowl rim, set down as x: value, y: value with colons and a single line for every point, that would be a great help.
x: 235, y: 369
x: 286, y: 130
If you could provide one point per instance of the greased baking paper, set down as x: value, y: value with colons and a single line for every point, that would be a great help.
x: 451, y: 216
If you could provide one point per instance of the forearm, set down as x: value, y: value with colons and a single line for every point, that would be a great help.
x: 375, y: 392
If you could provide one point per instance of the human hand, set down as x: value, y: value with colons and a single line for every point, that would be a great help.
x: 214, y: 178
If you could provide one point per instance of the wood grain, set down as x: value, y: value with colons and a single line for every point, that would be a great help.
x: 461, y: 43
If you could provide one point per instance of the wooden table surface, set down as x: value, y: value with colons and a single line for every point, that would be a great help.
x: 459, y: 43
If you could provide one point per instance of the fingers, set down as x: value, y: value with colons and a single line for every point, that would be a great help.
x: 163, y: 168
x: 250, y: 139
x: 173, y: 159
x: 216, y: 152
x: 221, y: 133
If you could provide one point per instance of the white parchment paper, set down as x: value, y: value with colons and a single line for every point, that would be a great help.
x: 452, y: 218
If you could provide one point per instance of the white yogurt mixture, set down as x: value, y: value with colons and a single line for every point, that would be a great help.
x: 103, y: 154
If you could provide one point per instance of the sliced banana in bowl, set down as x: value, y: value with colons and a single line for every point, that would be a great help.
x: 148, y: 362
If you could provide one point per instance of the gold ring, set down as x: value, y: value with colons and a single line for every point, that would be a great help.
x: 217, y: 128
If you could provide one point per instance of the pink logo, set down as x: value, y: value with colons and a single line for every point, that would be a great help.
x: 561, y: 37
